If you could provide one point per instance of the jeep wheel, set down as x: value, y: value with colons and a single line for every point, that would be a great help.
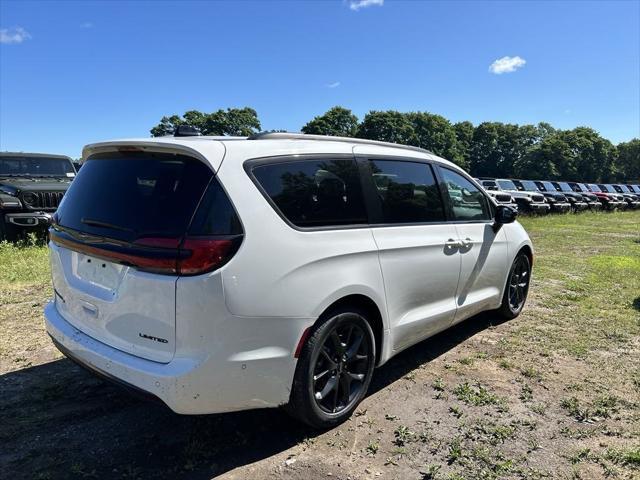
x: 334, y: 369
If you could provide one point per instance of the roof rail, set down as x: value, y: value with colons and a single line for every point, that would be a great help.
x: 305, y: 136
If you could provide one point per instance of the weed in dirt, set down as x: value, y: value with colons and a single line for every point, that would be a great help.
x: 505, y: 364
x: 475, y: 394
x: 431, y: 473
x: 455, y: 450
x: 438, y: 384
x: 526, y: 393
x: 373, y: 447
x: 628, y: 456
x: 455, y: 411
x: 403, y: 435
x: 531, y: 373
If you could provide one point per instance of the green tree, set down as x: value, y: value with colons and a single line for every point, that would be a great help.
x: 337, y: 121
x: 435, y: 133
x: 628, y: 160
x: 592, y: 156
x: 464, y: 134
x: 540, y: 161
x: 387, y: 126
x: 501, y: 149
x: 487, y: 158
x: 233, y: 121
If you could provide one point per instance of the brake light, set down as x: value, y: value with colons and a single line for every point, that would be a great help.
x: 193, y: 255
x: 205, y: 255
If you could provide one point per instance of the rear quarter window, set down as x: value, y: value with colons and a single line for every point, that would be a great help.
x: 314, y: 192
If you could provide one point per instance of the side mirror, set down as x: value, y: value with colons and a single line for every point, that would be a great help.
x: 504, y: 215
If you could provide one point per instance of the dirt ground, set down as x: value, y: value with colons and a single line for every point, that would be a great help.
x: 554, y: 393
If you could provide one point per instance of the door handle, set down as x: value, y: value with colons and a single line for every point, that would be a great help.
x: 466, y: 243
x: 453, y: 243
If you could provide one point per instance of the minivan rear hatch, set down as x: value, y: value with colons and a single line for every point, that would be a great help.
x: 122, y: 237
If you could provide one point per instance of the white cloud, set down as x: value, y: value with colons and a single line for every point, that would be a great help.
x: 507, y: 65
x: 356, y: 5
x: 13, y: 35
x: 333, y: 85
x: 86, y: 25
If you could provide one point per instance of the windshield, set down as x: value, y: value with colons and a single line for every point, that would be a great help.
x: 594, y: 188
x: 607, y: 188
x: 548, y: 186
x: 624, y: 188
x: 564, y: 186
x: 489, y: 185
x: 36, y: 166
x: 581, y: 187
x: 507, y: 185
x: 529, y: 186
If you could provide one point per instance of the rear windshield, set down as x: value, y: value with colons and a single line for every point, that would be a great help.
x: 36, y: 166
x: 129, y: 196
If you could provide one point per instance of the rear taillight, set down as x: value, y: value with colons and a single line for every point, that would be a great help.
x: 169, y: 256
x: 205, y: 255
x: 193, y: 255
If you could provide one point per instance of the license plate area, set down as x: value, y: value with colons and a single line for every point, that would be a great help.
x: 98, y: 272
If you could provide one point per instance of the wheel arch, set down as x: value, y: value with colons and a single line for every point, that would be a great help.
x: 374, y: 317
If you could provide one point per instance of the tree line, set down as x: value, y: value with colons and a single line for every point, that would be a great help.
x: 493, y: 149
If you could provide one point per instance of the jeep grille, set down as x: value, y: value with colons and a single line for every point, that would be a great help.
x: 43, y: 200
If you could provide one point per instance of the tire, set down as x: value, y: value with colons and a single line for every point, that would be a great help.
x: 338, y: 357
x: 517, y: 287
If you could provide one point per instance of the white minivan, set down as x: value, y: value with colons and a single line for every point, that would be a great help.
x: 222, y: 273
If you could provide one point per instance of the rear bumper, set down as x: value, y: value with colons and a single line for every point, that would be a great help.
x: 207, y: 382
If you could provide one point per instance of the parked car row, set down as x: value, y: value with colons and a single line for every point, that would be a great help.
x: 544, y: 196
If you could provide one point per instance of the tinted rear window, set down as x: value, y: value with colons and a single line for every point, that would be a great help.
x: 314, y: 193
x: 128, y: 196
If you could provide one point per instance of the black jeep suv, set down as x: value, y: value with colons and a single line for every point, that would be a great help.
x: 556, y: 200
x: 576, y: 196
x: 31, y: 188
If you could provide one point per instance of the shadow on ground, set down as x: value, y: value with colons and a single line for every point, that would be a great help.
x: 60, y: 421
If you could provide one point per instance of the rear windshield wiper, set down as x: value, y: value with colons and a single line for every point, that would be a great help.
x: 99, y: 223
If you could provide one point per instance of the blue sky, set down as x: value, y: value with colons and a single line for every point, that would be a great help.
x: 76, y: 72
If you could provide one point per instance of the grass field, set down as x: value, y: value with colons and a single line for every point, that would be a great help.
x: 554, y: 393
